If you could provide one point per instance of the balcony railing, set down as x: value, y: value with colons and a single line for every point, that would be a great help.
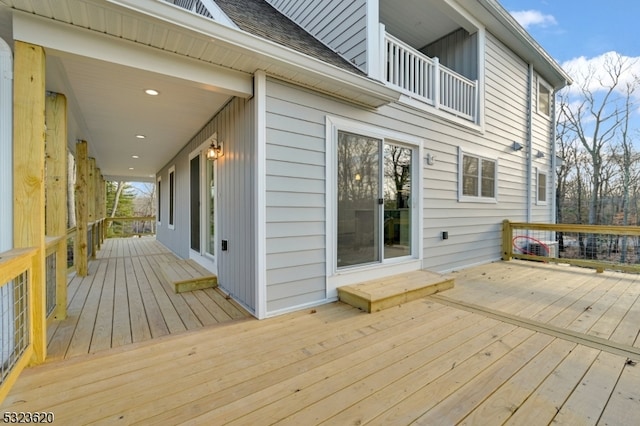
x: 423, y: 78
x: 590, y: 246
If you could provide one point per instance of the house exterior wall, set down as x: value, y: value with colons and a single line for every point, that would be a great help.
x: 338, y: 24
x: 296, y: 164
x: 235, y: 203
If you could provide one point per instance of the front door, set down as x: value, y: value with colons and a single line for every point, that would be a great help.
x: 203, y: 204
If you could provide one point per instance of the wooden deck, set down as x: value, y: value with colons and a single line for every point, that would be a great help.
x: 125, y: 300
x: 512, y: 343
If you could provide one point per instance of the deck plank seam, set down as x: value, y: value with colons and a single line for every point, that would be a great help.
x: 579, y: 338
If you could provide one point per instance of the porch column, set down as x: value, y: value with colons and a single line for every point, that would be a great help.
x: 56, y: 191
x: 99, y: 217
x: 28, y: 178
x: 82, y: 214
x: 91, y: 206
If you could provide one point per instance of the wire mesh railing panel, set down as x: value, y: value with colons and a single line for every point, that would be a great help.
x: 14, y: 323
x: 50, y: 269
x: 610, y: 247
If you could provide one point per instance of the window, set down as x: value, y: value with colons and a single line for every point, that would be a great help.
x: 541, y: 184
x: 477, y: 178
x: 172, y: 196
x: 544, y: 98
x: 159, y: 190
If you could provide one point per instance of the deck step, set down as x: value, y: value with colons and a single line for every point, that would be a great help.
x: 383, y: 293
x: 187, y: 275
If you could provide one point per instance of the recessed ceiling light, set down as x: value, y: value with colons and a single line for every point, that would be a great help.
x: 151, y: 92
x: 134, y: 156
x: 130, y: 168
x: 140, y: 136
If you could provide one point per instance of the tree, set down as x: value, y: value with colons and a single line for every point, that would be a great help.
x: 595, y: 117
x: 120, y: 197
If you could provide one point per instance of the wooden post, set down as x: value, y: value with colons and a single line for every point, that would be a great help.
x: 91, y: 207
x: 82, y: 214
x: 56, y: 191
x: 103, y: 207
x: 507, y: 249
x: 28, y: 183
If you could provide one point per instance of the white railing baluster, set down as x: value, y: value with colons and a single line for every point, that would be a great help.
x: 426, y: 79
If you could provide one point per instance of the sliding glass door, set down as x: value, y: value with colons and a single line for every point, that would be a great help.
x: 374, y: 200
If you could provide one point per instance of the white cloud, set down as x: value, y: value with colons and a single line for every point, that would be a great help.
x: 595, y: 73
x: 529, y: 18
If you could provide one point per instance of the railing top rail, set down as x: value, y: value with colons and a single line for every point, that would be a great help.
x: 131, y: 218
x: 592, y: 229
x: 452, y: 73
x: 14, y: 262
x: 407, y: 47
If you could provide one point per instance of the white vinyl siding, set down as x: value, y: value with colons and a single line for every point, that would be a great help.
x: 338, y: 24
x: 296, y: 176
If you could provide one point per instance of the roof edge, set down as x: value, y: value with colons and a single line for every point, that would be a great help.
x: 267, y: 49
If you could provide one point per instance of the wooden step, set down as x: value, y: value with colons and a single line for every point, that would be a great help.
x: 383, y: 293
x: 187, y: 275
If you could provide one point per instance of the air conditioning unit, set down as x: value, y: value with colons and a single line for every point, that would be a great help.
x: 543, y: 248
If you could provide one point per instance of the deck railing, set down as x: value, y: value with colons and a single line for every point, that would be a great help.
x: 130, y: 226
x: 425, y: 79
x: 593, y: 246
x: 16, y: 314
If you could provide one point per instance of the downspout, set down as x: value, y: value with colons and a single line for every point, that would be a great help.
x: 554, y: 160
x: 6, y: 146
x: 529, y: 144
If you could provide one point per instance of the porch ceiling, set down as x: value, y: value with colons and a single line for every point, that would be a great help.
x: 420, y: 22
x: 97, y: 55
x: 108, y: 107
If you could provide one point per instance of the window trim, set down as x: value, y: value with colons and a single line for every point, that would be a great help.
x: 479, y: 198
x: 540, y: 202
x: 159, y: 200
x: 171, y: 177
x: 547, y: 86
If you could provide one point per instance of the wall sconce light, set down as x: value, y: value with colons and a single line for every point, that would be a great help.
x: 214, y: 151
x: 357, y: 177
x: 540, y: 154
x: 430, y: 159
x: 516, y: 146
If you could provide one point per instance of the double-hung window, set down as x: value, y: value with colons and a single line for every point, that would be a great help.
x: 541, y: 184
x: 478, y: 178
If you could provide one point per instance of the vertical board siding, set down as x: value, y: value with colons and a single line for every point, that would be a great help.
x: 338, y: 24
x: 234, y: 126
x: 457, y: 51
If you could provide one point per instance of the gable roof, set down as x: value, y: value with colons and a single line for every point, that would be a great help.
x: 259, y: 18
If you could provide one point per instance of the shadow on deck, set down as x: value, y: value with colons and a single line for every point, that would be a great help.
x: 125, y: 299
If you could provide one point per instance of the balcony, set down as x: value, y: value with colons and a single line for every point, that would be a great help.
x: 425, y: 79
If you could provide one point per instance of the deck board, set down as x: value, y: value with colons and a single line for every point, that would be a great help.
x: 124, y: 300
x: 423, y: 362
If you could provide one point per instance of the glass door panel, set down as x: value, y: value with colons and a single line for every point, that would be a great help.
x: 195, y: 203
x: 358, y: 194
x: 211, y: 208
x: 397, y: 201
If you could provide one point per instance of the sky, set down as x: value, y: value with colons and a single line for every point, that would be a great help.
x: 581, y: 34
x: 569, y: 29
